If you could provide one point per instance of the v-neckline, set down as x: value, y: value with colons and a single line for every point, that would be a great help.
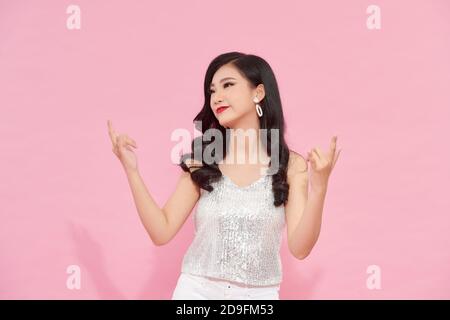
x: 246, y: 186
x: 243, y: 187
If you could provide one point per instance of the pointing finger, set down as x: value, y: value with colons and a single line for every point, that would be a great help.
x: 337, y: 156
x: 333, y: 146
x: 111, y: 132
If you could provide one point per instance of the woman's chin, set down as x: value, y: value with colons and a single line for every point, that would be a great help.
x: 226, y: 123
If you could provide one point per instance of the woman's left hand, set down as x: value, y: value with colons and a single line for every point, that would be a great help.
x: 321, y: 166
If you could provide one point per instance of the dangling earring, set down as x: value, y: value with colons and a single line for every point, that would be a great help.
x: 258, y: 107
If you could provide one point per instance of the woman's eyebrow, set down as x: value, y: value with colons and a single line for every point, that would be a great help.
x: 227, y: 78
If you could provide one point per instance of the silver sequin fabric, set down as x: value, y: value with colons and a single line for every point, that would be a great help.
x: 238, y: 233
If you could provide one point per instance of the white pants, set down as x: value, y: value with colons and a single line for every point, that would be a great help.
x: 193, y: 287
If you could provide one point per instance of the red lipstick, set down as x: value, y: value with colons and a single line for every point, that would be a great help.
x: 221, y: 109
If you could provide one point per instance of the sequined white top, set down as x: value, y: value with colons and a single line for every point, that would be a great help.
x: 238, y: 233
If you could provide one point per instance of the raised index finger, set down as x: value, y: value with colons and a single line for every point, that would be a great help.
x: 111, y: 132
x: 333, y: 145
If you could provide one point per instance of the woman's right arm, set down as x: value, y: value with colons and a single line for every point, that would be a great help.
x: 162, y: 224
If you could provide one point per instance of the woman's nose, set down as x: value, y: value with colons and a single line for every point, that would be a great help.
x: 218, y: 100
x: 218, y: 96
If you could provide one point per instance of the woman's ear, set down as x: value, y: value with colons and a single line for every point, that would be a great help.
x: 260, y: 92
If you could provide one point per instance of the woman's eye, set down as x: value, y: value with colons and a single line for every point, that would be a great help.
x: 225, y: 85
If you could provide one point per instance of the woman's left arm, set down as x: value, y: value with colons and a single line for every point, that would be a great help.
x: 303, y: 210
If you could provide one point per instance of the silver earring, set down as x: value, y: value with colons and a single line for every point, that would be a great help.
x: 258, y: 107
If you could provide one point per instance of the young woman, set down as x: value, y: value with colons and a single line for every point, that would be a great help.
x: 243, y: 206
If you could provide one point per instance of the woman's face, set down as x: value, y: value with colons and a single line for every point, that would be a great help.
x: 228, y: 88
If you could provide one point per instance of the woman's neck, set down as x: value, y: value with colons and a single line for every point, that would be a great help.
x: 245, y: 147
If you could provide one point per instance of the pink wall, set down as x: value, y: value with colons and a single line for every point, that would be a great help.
x: 65, y: 200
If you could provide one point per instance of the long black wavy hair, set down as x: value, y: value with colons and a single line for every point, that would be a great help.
x: 257, y: 71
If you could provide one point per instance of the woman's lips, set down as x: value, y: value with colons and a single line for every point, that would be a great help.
x: 221, y: 109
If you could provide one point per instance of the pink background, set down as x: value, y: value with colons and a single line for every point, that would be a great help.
x: 65, y: 200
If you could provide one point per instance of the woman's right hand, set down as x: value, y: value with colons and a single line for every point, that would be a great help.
x: 121, y: 148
